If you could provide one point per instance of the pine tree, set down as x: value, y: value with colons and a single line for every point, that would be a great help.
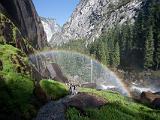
x: 107, y: 54
x: 116, y: 55
x: 149, y: 49
x: 157, y: 53
x: 100, y: 55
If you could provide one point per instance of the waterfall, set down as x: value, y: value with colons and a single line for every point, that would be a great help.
x: 91, y: 70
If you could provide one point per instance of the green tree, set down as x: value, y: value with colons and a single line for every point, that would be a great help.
x: 116, y: 55
x: 157, y: 53
x: 149, y: 49
x: 101, y: 56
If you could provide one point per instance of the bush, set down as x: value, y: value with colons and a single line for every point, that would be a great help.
x: 54, y: 89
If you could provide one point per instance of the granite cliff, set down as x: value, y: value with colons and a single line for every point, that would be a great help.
x: 23, y: 14
x: 50, y: 27
x: 92, y: 17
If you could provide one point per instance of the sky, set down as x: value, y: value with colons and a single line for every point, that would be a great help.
x: 60, y: 10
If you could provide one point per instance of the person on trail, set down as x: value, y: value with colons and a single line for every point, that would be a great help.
x: 72, y: 90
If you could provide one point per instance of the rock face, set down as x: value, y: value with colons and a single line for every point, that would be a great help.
x: 50, y: 27
x: 23, y: 14
x: 92, y: 17
x: 10, y: 34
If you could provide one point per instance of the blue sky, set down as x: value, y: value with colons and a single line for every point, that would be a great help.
x: 61, y: 10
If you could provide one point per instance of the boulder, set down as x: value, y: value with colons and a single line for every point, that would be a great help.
x: 147, y: 97
x: 151, y: 99
x: 82, y: 101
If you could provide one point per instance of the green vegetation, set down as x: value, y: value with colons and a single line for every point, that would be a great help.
x: 146, y: 35
x: 118, y: 108
x: 54, y: 89
x: 79, y: 45
x: 106, y: 49
x: 15, y: 88
x: 149, y: 50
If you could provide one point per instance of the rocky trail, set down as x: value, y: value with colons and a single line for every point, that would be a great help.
x: 54, y: 110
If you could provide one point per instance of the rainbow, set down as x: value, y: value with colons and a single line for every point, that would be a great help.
x: 119, y: 81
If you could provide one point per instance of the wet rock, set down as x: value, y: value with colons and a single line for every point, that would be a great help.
x: 83, y: 100
x: 150, y: 98
x: 53, y: 71
x: 147, y: 97
x: 89, y: 85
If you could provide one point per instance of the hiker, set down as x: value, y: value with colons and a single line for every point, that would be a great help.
x: 72, y: 90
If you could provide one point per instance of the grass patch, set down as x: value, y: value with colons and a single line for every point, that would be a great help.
x: 118, y: 108
x: 15, y: 88
x: 54, y: 89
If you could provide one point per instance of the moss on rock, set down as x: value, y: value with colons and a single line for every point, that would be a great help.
x: 54, y: 89
x: 10, y: 34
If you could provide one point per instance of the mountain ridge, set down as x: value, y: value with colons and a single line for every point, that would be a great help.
x: 92, y: 17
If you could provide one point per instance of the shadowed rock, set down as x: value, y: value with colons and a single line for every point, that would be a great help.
x: 40, y: 94
x: 156, y: 103
x: 83, y: 100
